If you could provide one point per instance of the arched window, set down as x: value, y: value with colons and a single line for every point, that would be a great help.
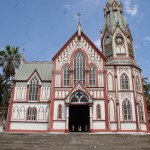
x: 66, y: 76
x: 92, y: 76
x: 34, y: 114
x: 33, y: 90
x: 138, y: 85
x: 29, y: 110
x: 98, y: 112
x: 79, y: 68
x: 127, y: 110
x: 59, y: 112
x: 141, y: 116
x: 31, y: 114
x: 110, y: 82
x: 79, y: 97
x: 124, y: 82
x: 111, y: 110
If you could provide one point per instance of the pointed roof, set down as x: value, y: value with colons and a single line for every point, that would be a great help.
x: 114, y: 16
x: 111, y: 1
x: 86, y: 38
x: 79, y: 87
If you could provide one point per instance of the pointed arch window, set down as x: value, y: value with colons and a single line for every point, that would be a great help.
x: 60, y: 112
x: 127, y: 110
x: 124, y: 82
x: 66, y: 76
x: 80, y: 97
x: 31, y: 114
x: 138, y: 85
x: 141, y: 116
x: 34, y: 114
x: 92, y: 76
x: 33, y: 89
x: 79, y: 68
x: 98, y: 112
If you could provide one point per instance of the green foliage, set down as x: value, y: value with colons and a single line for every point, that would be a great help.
x: 146, y: 85
x: 9, y: 61
x: 2, y: 87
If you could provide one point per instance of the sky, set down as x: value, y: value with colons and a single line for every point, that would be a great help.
x: 42, y: 27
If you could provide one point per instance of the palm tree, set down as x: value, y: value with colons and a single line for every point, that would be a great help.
x: 9, y: 61
x: 2, y: 87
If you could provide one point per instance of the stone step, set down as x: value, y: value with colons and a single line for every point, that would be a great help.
x: 16, y: 141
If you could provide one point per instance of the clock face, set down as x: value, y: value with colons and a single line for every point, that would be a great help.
x: 119, y: 40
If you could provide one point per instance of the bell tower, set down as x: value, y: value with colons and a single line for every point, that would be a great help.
x: 117, y: 42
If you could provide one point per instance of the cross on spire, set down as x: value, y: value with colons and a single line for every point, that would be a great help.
x: 79, y: 24
x: 78, y: 15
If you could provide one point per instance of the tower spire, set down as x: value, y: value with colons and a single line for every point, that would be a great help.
x: 113, y: 12
x: 79, y: 24
x: 111, y: 1
x: 117, y: 42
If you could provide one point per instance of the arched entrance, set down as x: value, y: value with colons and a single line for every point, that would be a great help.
x: 79, y: 118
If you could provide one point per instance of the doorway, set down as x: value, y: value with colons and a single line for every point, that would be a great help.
x: 79, y: 118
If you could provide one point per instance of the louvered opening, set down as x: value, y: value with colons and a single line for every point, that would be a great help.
x: 108, y: 50
x: 130, y: 48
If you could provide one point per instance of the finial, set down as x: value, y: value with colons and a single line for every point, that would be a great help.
x: 78, y: 15
x: 79, y: 24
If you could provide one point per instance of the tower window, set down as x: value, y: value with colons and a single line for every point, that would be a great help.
x: 92, y: 76
x: 141, y: 116
x: 124, y: 82
x: 66, y: 76
x: 127, y: 110
x: 138, y: 86
x: 130, y: 49
x: 79, y: 68
x: 33, y: 90
x: 108, y: 46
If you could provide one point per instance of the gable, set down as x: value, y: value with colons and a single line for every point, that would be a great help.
x: 76, y: 43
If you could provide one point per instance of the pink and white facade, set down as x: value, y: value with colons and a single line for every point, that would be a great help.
x: 82, y: 89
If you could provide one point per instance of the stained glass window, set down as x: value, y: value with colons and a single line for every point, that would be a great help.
x: 33, y: 90
x: 141, y: 112
x: 59, y: 112
x: 92, y: 76
x: 66, y: 76
x: 79, y: 68
x: 127, y: 110
x: 124, y: 82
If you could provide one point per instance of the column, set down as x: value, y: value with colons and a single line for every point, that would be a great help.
x: 91, y: 119
x: 67, y: 119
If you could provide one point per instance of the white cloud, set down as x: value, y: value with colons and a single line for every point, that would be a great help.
x: 147, y: 39
x: 67, y: 6
x: 97, y: 42
x: 129, y: 8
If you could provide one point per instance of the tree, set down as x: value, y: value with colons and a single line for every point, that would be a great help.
x: 9, y: 61
x: 2, y: 87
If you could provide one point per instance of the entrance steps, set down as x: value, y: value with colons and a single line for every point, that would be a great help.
x: 74, y: 141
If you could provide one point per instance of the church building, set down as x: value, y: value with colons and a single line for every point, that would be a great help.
x: 83, y: 89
